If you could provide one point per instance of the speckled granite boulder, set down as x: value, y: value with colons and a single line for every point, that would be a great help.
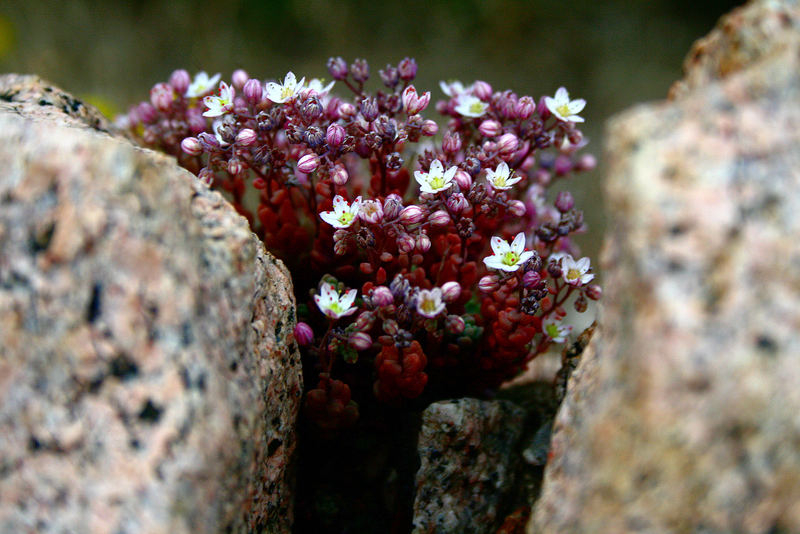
x: 148, y: 379
x: 468, y: 453
x: 683, y: 414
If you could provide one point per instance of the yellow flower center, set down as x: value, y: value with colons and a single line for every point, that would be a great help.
x: 510, y: 258
x: 476, y: 107
x: 346, y: 217
x: 437, y: 182
x: 563, y: 110
x: 573, y: 274
x: 552, y: 330
x: 428, y: 306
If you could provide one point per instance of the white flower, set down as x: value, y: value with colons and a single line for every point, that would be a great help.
x: 563, y: 108
x: 219, y: 105
x: 556, y: 331
x: 334, y: 305
x: 471, y: 106
x: 371, y: 211
x: 508, y: 257
x: 454, y: 88
x: 280, y: 93
x: 315, y: 85
x: 500, y: 178
x: 429, y: 302
x: 437, y: 179
x: 576, y: 273
x: 202, y: 84
x: 343, y: 214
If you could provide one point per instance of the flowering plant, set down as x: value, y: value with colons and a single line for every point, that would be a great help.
x: 445, y: 284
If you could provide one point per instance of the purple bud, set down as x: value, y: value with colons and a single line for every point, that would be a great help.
x: 490, y: 128
x: 208, y: 142
x: 454, y: 324
x: 360, y: 341
x: 423, y: 243
x: 531, y: 279
x: 239, y: 78
x: 191, y: 146
x: 463, y: 179
x: 429, y: 128
x: 161, y: 96
x: 451, y: 291
x: 335, y: 135
x: 410, y: 214
x: 339, y: 175
x: 246, y: 137
x: 303, y: 334
x: 488, y: 283
x: 457, y: 203
x: 253, y: 91
x: 180, y: 81
x: 517, y: 207
x: 365, y: 321
x: 337, y: 67
x: 451, y: 143
x: 405, y: 243
x: 347, y: 110
x: 594, y: 291
x: 564, y: 201
x: 235, y: 166
x: 482, y: 90
x: 439, y: 218
x: 407, y: 69
x: 359, y: 69
x: 525, y: 108
x: 507, y: 143
x: 146, y: 113
x: 308, y: 163
x: 389, y: 76
x: 369, y: 109
x: 562, y: 166
x: 587, y: 162
x: 392, y: 206
x: 382, y: 296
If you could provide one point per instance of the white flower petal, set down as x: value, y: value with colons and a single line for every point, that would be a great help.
x: 525, y: 256
x: 499, y: 245
x: 518, y: 245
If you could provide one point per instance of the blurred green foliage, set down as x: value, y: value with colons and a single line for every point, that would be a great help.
x: 613, y: 53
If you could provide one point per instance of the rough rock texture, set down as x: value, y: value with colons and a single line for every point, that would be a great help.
x: 683, y: 414
x: 148, y: 379
x: 468, y: 453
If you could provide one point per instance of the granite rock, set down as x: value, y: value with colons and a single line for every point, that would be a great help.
x: 683, y: 413
x: 149, y: 380
x: 469, y: 454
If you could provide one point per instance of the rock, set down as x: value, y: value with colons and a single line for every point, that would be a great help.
x: 468, y: 452
x: 682, y: 415
x: 149, y: 380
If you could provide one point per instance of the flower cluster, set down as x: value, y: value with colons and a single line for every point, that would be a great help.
x: 448, y: 283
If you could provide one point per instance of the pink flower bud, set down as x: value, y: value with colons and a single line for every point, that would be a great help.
x: 365, y: 321
x: 147, y: 113
x: 562, y: 166
x: 180, y: 81
x: 405, y: 243
x: 525, y: 108
x: 253, y: 91
x: 488, y: 283
x: 456, y: 203
x: 594, y: 291
x: 490, y: 128
x: 191, y: 146
x: 411, y: 215
x: 542, y: 109
x: 239, y: 78
x: 335, y: 135
x: 347, y: 110
x: 414, y: 103
x: 429, y: 128
x: 507, y: 143
x: 206, y: 176
x: 308, y: 163
x: 382, y: 296
x: 161, y: 96
x: 451, y: 143
x: 564, y: 201
x: 235, y: 166
x: 340, y: 234
x: 371, y: 211
x: 303, y: 334
x: 463, y: 179
x: 390, y: 327
x: 360, y: 341
x: 587, y: 162
x: 423, y: 243
x: 392, y: 206
x: 517, y: 207
x: 531, y: 279
x: 454, y: 324
x: 439, y: 218
x: 489, y: 146
x: 451, y: 291
x: 339, y: 175
x: 246, y: 137
x: 340, y: 248
x: 482, y: 90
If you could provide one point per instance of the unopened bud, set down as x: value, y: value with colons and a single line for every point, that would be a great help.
x: 482, y: 90
x: 586, y: 162
x: 347, y: 110
x: 359, y: 69
x: 239, y: 78
x: 180, y: 81
x: 463, y: 179
x: 209, y: 142
x: 564, y: 201
x: 161, y: 96
x: 517, y: 207
x: 246, y: 137
x: 411, y: 214
x: 429, y: 128
x: 340, y: 248
x: 455, y: 324
x: 308, y: 163
x: 531, y: 279
x: 389, y: 76
x: 525, y: 108
x: 490, y: 128
x: 365, y: 321
x: 405, y: 243
x: 191, y: 146
x: 439, y: 218
x: 339, y: 175
x: 335, y: 135
x: 392, y: 206
x: 407, y: 69
x: 594, y: 291
x: 457, y: 203
x: 253, y: 91
x: 488, y: 283
x: 337, y: 67
x: 303, y: 334
x: 451, y: 291
x: 390, y: 327
x: 451, y: 143
x: 360, y: 341
x: 423, y: 243
x: 507, y: 143
x: 581, y: 304
x: 414, y: 103
x: 235, y: 166
x: 340, y: 235
x: 382, y: 296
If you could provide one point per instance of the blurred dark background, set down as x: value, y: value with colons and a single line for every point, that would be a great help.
x: 613, y: 53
